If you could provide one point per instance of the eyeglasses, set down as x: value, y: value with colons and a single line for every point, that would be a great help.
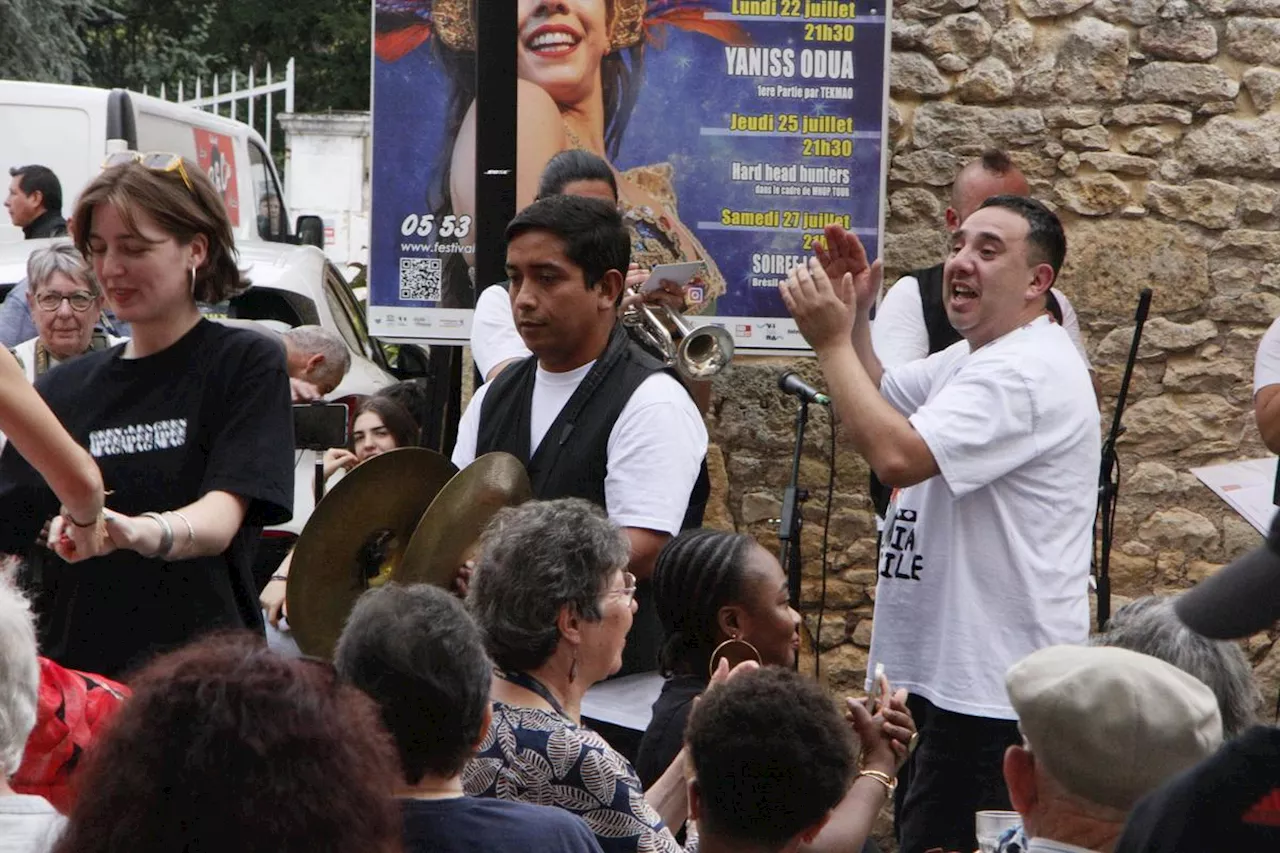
x: 156, y: 161
x: 628, y: 591
x: 80, y: 301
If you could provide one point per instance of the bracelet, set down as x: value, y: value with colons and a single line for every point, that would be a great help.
x: 890, y: 783
x: 166, y: 534
x: 71, y: 518
x: 279, y: 577
x: 191, y: 532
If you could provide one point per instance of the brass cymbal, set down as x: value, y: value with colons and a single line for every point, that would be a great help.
x: 458, y: 515
x: 389, y: 492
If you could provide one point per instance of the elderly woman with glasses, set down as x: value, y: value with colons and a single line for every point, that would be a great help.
x: 66, y: 304
x: 553, y: 598
x: 189, y: 420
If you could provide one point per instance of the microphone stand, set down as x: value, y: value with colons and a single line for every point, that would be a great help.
x: 792, y: 520
x: 1108, y: 476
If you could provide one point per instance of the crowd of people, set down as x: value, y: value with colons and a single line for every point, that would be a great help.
x: 147, y: 445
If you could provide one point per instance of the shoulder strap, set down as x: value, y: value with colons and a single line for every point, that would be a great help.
x: 941, y: 333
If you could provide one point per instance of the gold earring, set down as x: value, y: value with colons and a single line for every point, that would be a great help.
x: 735, y: 651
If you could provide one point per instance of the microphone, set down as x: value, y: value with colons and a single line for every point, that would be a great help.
x: 790, y: 383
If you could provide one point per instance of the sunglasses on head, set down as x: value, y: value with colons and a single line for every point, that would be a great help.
x: 156, y: 161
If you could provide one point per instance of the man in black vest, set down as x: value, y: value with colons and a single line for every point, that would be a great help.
x: 590, y: 413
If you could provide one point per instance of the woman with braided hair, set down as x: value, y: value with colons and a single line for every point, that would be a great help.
x: 721, y: 595
x: 717, y: 595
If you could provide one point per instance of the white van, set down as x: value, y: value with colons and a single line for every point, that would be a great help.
x: 71, y: 129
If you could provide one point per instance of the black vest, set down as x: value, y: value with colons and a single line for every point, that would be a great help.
x: 572, y: 460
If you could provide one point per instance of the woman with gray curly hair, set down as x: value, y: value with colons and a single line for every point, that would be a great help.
x: 1149, y: 625
x: 553, y: 597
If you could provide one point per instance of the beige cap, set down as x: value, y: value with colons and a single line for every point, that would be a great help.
x: 1109, y: 724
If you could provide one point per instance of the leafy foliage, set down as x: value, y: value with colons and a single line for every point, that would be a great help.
x: 142, y: 43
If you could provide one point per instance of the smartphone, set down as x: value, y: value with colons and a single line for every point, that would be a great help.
x: 877, y: 688
x: 319, y: 426
x: 680, y: 274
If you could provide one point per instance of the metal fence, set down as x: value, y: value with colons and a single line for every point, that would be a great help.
x: 242, y: 88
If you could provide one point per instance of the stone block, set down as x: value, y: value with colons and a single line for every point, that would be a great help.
x: 1179, y: 529
x: 1092, y: 195
x: 1091, y: 63
x: 954, y: 126
x: 914, y: 75
x: 1135, y: 114
x: 1186, y: 41
x: 915, y: 206
x: 1140, y: 13
x: 1051, y: 8
x: 1013, y: 42
x: 967, y: 36
x: 1258, y: 203
x: 930, y: 166
x: 1124, y: 164
x: 911, y: 250
x: 1096, y: 138
x: 929, y: 10
x: 1209, y: 203
x: 1263, y: 85
x: 1110, y: 260
x: 1182, y: 82
x: 1253, y: 40
x: 1194, y: 375
x: 1164, y: 425
x: 1249, y: 147
x: 988, y: 82
x: 1080, y: 117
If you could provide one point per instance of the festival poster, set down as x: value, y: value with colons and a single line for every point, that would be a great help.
x: 743, y: 127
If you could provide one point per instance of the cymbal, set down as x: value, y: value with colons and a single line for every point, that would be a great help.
x: 458, y: 515
x: 389, y: 492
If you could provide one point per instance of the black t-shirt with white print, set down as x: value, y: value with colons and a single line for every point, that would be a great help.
x: 209, y: 413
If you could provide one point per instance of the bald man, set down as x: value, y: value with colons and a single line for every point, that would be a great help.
x: 910, y: 322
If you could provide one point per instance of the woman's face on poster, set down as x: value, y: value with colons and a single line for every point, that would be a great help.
x: 562, y: 43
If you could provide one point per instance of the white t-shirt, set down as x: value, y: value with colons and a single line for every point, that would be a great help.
x: 28, y: 824
x: 1266, y: 365
x: 899, y: 334
x: 655, y: 449
x: 494, y: 337
x: 989, y: 561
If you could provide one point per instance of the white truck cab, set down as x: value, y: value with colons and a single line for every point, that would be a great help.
x: 71, y: 130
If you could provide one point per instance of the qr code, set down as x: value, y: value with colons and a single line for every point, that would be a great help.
x: 420, y: 278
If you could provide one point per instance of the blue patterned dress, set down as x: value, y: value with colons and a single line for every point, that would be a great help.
x: 541, y: 757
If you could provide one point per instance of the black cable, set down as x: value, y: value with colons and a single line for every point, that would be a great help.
x: 826, y: 531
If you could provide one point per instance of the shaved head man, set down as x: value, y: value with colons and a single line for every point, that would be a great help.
x: 990, y: 175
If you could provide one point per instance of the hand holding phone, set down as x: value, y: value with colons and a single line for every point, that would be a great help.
x: 879, y: 685
x: 678, y: 274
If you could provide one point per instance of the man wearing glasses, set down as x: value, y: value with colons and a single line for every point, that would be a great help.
x: 66, y: 305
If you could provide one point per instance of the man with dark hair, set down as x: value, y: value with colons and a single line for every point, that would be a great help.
x: 993, y: 448
x: 911, y: 321
x: 35, y: 202
x: 590, y: 413
x: 770, y: 757
x: 417, y: 653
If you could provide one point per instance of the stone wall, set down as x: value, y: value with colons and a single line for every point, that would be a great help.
x: 1148, y: 125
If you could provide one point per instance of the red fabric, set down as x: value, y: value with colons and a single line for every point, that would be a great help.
x: 73, y: 708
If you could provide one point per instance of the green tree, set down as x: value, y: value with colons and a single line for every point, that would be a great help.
x: 42, y: 39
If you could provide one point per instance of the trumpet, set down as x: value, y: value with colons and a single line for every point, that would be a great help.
x: 696, y: 352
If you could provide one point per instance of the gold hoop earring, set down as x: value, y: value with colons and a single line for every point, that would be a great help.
x: 735, y: 651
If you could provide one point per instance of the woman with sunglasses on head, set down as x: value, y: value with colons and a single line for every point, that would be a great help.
x: 190, y: 421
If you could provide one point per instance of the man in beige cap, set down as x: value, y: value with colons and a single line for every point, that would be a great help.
x: 1101, y: 727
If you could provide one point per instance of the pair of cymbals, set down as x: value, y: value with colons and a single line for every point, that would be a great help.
x: 427, y: 514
